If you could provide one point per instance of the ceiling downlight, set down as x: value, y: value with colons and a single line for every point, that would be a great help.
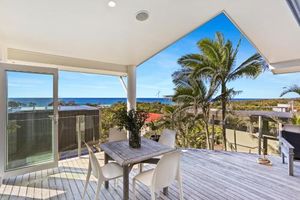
x: 142, y: 15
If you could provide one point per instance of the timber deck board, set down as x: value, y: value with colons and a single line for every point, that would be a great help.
x: 207, y: 175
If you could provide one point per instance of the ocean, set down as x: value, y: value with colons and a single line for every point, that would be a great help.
x: 100, y: 101
x: 84, y: 101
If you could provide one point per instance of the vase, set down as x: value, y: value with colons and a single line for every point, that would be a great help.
x: 134, y: 139
x: 155, y: 137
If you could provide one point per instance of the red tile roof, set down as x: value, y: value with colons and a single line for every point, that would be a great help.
x: 153, y: 117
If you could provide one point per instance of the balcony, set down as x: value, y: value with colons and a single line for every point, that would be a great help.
x: 206, y: 175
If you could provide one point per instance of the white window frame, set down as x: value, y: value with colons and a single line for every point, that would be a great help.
x: 3, y: 118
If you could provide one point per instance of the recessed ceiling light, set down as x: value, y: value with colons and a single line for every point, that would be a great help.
x: 112, y: 4
x: 142, y: 15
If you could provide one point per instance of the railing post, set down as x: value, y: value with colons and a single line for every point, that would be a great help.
x: 234, y: 138
x: 213, y: 133
x: 259, y: 134
x: 265, y: 146
x: 80, y: 129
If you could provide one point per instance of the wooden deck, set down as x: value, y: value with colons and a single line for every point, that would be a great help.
x: 206, y: 175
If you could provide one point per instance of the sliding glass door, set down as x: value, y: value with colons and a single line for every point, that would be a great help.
x: 31, y: 118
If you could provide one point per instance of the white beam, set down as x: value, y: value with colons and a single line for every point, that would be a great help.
x: 131, y: 87
x: 123, y: 84
x: 19, y: 56
x: 290, y: 66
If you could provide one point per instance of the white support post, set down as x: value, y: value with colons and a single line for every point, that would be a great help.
x: 131, y: 87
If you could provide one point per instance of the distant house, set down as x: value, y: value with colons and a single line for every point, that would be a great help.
x: 153, y: 117
x: 284, y: 107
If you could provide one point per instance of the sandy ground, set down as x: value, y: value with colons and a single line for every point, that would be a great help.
x: 247, y: 142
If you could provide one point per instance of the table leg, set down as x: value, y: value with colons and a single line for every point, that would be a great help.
x: 125, y: 182
x: 166, y: 191
x: 105, y: 162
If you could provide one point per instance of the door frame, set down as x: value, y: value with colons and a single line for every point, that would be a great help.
x: 3, y: 118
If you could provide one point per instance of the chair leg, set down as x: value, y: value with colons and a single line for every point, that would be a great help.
x: 133, y: 189
x: 179, y: 180
x: 180, y: 190
x: 87, y: 180
x: 153, y: 195
x: 98, y: 189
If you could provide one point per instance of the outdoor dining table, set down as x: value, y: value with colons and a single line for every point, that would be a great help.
x: 126, y: 157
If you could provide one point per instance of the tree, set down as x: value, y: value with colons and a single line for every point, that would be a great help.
x: 217, y: 60
x: 193, y: 94
x: 296, y: 120
x: 169, y: 117
x: 14, y: 104
x: 291, y: 89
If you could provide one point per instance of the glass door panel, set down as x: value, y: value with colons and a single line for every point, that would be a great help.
x: 30, y: 129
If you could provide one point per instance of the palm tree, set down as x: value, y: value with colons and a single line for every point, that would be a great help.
x: 217, y: 60
x: 291, y: 89
x: 168, y: 119
x: 193, y: 94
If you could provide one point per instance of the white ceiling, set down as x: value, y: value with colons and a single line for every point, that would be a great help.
x: 93, y: 31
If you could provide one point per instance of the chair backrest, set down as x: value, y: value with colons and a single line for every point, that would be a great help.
x: 168, y: 138
x: 116, y: 134
x: 166, y: 171
x: 96, y: 168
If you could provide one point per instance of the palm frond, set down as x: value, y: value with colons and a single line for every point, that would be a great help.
x: 192, y: 60
x: 251, y: 68
x: 291, y: 89
x: 210, y: 50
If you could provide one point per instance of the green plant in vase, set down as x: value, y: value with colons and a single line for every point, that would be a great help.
x: 132, y: 121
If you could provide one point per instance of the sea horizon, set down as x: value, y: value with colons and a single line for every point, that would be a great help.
x: 107, y: 101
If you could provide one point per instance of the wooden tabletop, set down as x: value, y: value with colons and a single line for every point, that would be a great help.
x: 125, y: 155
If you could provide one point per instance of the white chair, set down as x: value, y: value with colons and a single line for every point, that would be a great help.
x: 116, y: 134
x: 166, y: 171
x: 108, y: 172
x: 168, y: 138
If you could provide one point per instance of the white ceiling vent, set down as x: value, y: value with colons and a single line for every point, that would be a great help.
x: 142, y: 15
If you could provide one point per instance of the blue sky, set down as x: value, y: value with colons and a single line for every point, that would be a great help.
x: 154, y: 76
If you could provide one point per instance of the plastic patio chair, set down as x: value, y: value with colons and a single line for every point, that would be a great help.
x: 165, y: 173
x: 107, y: 172
x: 168, y: 138
x: 116, y: 135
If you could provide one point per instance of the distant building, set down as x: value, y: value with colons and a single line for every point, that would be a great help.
x: 153, y: 117
x: 284, y: 107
